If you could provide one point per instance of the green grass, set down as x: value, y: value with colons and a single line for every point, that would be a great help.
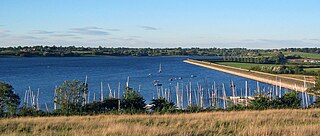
x: 312, y: 69
x: 268, y: 54
x: 243, y: 65
x: 304, y: 55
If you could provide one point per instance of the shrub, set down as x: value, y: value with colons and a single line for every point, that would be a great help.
x: 132, y: 101
x: 161, y: 105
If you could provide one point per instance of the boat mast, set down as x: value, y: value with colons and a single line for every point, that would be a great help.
x: 160, y: 68
x: 101, y: 92
x: 246, y: 93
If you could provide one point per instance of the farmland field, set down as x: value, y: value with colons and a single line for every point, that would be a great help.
x: 312, y: 69
x: 304, y: 55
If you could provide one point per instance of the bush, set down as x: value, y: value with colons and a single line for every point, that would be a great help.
x: 161, y: 105
x: 132, y: 102
x: 290, y: 100
x: 193, y: 108
x: 107, y: 104
x: 30, y: 112
x: 260, y: 103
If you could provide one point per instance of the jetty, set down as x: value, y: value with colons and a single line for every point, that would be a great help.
x: 273, y: 79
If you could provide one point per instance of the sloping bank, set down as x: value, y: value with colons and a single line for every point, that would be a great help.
x: 285, y: 82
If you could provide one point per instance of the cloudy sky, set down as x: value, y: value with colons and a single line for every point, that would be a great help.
x: 161, y: 23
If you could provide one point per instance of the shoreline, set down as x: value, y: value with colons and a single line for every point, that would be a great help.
x: 285, y: 82
x: 182, y: 56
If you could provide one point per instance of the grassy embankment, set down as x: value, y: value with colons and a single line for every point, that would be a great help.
x: 269, y: 122
x: 248, y: 66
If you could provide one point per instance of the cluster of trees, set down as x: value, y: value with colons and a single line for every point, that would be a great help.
x: 54, y: 51
x: 283, y: 69
x: 277, y: 59
x: 289, y: 100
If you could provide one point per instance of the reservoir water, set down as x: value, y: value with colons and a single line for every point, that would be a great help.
x: 46, y: 73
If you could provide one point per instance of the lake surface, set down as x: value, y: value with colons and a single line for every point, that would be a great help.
x: 46, y: 73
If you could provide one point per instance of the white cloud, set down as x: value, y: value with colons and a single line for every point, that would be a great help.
x: 147, y: 27
x: 89, y: 31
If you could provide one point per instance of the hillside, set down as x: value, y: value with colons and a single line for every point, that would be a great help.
x: 269, y: 122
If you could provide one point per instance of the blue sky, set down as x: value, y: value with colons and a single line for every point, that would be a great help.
x: 161, y: 23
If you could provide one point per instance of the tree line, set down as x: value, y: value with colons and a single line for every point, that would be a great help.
x: 72, y: 51
x: 279, y: 58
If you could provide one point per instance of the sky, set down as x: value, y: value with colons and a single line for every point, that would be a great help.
x: 161, y: 23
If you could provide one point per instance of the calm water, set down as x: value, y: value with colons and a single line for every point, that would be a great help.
x: 46, y: 73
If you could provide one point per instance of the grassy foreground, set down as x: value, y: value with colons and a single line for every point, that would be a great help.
x: 269, y: 122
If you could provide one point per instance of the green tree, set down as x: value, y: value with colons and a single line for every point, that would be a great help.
x: 260, y: 103
x: 161, y: 104
x: 280, y: 58
x: 132, y: 101
x: 100, y: 107
x: 70, y: 95
x: 8, y: 100
x: 290, y: 100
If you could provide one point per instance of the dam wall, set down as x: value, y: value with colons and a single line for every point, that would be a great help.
x: 285, y: 82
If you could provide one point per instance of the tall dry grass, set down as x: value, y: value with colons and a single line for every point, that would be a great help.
x: 269, y: 122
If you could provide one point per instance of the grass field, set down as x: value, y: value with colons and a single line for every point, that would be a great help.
x: 304, y: 55
x: 269, y: 122
x: 312, y: 69
x: 242, y: 65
